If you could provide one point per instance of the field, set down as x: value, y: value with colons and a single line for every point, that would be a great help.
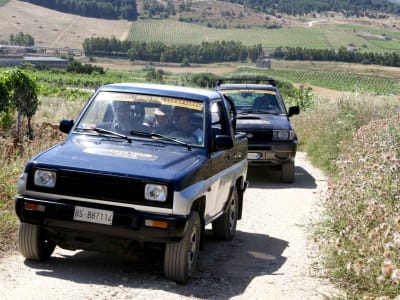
x: 54, y: 29
x: 320, y: 36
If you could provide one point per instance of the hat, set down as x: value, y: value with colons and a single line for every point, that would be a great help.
x: 162, y: 111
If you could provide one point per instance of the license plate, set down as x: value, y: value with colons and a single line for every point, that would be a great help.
x: 93, y: 215
x: 254, y: 155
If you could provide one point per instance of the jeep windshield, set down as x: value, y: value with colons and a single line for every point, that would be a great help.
x: 130, y: 116
x: 255, y: 101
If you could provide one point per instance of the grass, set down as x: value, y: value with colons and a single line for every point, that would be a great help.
x: 3, y: 2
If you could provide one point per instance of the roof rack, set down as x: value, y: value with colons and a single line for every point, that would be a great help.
x: 246, y: 80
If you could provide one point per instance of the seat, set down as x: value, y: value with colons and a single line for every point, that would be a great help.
x: 108, y: 114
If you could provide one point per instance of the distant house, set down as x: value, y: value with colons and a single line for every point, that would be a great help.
x: 10, y: 61
x: 352, y: 49
x: 48, y: 61
x: 264, y: 63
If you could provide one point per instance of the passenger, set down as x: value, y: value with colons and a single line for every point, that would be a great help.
x: 187, y: 125
x: 161, y: 122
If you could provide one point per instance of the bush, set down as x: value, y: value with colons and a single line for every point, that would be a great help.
x: 78, y: 67
x: 357, y: 141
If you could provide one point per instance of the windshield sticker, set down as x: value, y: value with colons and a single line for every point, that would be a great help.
x: 159, y: 100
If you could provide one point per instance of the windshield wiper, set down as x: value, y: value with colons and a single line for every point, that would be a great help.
x: 154, y: 135
x: 102, y: 130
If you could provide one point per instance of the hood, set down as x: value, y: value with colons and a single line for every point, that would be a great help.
x: 262, y: 122
x: 137, y: 159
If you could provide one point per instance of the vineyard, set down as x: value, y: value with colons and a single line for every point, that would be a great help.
x: 378, y: 81
x: 331, y: 80
x: 320, y: 36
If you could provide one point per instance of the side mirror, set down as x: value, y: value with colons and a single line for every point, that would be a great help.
x: 293, y: 110
x: 66, y: 125
x: 223, y: 142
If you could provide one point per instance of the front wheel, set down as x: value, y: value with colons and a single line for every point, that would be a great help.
x: 224, y: 228
x: 181, y: 257
x: 288, y: 172
x: 34, y: 242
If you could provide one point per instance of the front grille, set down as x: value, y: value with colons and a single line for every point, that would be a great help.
x: 101, y: 187
x: 259, y: 137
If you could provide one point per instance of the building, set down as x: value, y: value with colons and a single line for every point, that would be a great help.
x: 47, y: 61
x: 264, y: 63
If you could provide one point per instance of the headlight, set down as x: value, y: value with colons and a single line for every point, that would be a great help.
x: 283, y: 135
x: 155, y: 192
x: 21, y: 189
x: 45, y: 178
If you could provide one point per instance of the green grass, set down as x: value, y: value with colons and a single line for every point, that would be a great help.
x: 3, y: 2
x: 317, y: 37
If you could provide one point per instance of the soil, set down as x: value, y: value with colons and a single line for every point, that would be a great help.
x: 271, y: 257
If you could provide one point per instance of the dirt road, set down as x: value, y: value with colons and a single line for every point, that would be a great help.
x: 269, y: 258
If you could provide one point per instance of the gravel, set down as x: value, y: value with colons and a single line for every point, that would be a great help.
x: 271, y: 257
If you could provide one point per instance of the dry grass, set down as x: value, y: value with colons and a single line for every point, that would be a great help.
x: 356, y: 140
x: 14, y: 156
x: 13, y: 159
x: 54, y: 29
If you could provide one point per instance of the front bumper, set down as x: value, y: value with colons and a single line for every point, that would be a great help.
x: 128, y: 224
x: 272, y: 154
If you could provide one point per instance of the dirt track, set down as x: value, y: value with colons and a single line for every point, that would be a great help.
x: 269, y: 258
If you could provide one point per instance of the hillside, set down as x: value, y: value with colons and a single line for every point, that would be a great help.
x: 300, y: 7
x: 123, y: 9
x: 54, y: 29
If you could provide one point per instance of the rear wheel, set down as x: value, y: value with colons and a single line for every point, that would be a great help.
x: 287, y: 175
x: 224, y: 228
x: 181, y: 257
x: 34, y: 242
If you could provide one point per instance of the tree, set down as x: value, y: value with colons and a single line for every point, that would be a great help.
x: 22, y: 39
x: 6, y: 108
x: 23, y: 94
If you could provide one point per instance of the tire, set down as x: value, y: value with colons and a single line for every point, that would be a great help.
x: 287, y: 175
x: 34, y: 242
x: 181, y: 257
x: 224, y: 228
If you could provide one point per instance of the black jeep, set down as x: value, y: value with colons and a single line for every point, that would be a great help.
x: 262, y: 114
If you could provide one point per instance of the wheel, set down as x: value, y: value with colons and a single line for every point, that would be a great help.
x: 34, y: 242
x: 224, y: 228
x: 287, y: 175
x: 181, y: 257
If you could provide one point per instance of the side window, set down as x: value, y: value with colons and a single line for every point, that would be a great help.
x: 218, y: 118
x: 232, y: 114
